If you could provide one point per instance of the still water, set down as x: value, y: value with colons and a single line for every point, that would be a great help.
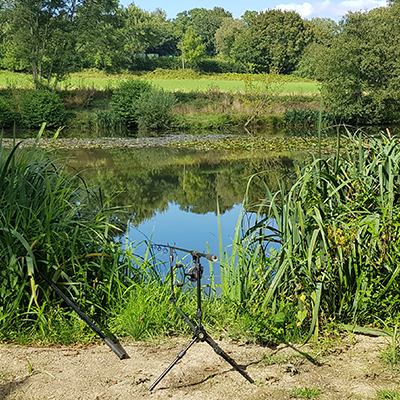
x: 174, y: 195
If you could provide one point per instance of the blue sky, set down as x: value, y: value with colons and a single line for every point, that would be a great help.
x: 334, y: 9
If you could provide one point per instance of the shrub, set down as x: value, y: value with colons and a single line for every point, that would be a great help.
x: 154, y: 109
x: 105, y: 121
x: 6, y: 114
x: 41, y: 106
x: 123, y: 100
x: 307, y: 118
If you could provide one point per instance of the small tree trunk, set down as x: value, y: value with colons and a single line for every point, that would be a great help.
x: 35, y: 76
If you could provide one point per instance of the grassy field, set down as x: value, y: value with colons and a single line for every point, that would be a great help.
x: 99, y: 81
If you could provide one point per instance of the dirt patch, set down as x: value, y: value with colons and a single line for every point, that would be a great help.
x: 351, y: 370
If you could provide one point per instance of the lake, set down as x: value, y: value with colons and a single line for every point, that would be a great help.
x: 175, y: 195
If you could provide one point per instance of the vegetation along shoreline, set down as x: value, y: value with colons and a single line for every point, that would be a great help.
x: 318, y: 263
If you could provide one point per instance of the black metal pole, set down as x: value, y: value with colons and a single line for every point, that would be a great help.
x: 117, y: 349
x: 195, y: 274
x: 211, y: 257
x: 180, y: 355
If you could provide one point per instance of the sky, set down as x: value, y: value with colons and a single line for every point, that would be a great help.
x: 334, y: 9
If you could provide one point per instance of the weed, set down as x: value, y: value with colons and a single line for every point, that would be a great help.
x: 392, y: 354
x: 306, y: 393
x: 33, y: 371
x: 388, y: 395
x: 4, y: 376
x: 279, y: 359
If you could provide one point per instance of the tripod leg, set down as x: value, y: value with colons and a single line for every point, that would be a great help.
x: 185, y: 318
x: 180, y: 355
x: 225, y: 356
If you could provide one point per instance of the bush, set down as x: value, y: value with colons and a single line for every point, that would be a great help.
x: 154, y: 109
x: 220, y: 66
x: 42, y: 106
x: 106, y: 122
x: 150, y: 64
x: 307, y: 118
x: 123, y: 100
x: 6, y: 114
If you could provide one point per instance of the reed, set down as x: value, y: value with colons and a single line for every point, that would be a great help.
x: 53, y: 223
x: 339, y: 234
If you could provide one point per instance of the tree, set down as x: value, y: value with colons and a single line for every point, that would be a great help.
x: 45, y: 36
x: 248, y: 17
x: 143, y: 29
x: 312, y: 63
x: 193, y: 50
x: 274, y: 38
x: 362, y: 67
x: 204, y: 23
x: 226, y: 35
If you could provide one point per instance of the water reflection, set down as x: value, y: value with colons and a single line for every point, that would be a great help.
x: 174, y: 194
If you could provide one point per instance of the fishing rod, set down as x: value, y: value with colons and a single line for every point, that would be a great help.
x: 116, y: 348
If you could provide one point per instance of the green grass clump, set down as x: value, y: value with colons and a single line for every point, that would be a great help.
x: 388, y: 395
x: 306, y: 393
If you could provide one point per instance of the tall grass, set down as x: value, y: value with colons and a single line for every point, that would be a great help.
x: 243, y: 265
x: 340, y: 234
x: 53, y: 223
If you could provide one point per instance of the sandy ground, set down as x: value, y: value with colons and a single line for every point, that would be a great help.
x: 349, y: 370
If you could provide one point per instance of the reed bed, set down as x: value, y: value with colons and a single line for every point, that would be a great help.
x: 324, y: 249
x: 338, y: 227
x: 53, y: 223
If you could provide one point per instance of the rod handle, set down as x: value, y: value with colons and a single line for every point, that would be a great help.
x: 117, y: 349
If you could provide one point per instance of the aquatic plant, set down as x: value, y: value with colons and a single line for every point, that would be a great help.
x: 339, y: 231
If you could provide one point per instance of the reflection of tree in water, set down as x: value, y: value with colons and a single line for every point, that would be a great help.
x: 145, y: 180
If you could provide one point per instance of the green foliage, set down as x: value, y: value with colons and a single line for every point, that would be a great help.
x: 219, y: 66
x: 7, y: 116
x: 360, y: 74
x: 301, y: 118
x: 306, y: 393
x: 161, y: 73
x: 313, y: 62
x: 274, y: 39
x: 193, y: 50
x: 147, y: 32
x: 53, y: 223
x: 391, y: 355
x: 137, y: 104
x: 341, y: 214
x: 204, y: 24
x: 388, y: 395
x: 154, y: 109
x: 148, y: 313
x: 106, y: 122
x: 45, y: 37
x: 42, y: 106
x: 124, y: 100
x: 226, y: 35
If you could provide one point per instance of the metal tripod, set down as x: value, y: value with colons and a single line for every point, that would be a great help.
x: 199, y: 334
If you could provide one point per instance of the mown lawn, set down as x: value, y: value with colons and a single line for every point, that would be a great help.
x: 18, y: 80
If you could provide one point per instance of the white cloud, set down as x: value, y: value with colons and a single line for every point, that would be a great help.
x: 329, y: 9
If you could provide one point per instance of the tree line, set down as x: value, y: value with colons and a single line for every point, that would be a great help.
x: 357, y: 58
